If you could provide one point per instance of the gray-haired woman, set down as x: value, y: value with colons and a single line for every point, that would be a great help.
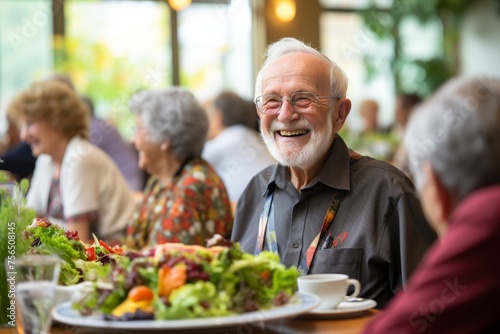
x: 184, y: 200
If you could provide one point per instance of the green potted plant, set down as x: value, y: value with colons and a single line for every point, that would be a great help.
x: 15, y: 216
x: 384, y: 23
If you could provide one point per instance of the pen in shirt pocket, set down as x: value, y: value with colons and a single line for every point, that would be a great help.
x: 328, y: 241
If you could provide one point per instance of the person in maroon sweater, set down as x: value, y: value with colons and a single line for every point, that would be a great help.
x: 453, y: 143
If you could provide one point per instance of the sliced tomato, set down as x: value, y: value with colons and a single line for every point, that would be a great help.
x: 90, y: 253
x: 265, y: 275
x: 106, y: 246
x: 117, y: 250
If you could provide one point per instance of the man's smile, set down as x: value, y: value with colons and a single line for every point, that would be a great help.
x: 293, y: 133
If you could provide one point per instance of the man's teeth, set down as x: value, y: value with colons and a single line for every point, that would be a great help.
x: 293, y: 133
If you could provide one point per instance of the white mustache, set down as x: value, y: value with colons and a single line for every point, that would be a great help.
x: 299, y: 125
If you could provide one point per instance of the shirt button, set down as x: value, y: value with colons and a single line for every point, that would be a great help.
x: 295, y: 244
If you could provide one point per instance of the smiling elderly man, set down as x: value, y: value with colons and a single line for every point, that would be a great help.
x: 323, y: 207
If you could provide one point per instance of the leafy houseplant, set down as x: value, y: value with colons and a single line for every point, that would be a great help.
x: 384, y: 24
x: 14, y: 218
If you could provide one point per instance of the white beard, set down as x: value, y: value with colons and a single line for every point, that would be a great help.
x: 300, y: 156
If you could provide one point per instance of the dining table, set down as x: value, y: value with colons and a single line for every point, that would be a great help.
x: 287, y: 325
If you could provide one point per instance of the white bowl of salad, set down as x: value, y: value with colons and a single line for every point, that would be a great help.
x: 69, y: 293
x: 79, y: 260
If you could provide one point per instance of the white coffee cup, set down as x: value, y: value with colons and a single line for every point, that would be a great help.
x: 330, y: 288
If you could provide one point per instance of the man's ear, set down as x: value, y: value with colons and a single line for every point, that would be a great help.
x: 258, y: 112
x: 445, y: 198
x: 344, y: 107
x: 443, y: 205
x: 164, y: 146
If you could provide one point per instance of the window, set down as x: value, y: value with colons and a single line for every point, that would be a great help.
x: 345, y: 41
x: 377, y: 68
x: 113, y: 48
x: 216, y: 52
x: 25, y: 46
x: 369, y: 60
x: 354, y: 4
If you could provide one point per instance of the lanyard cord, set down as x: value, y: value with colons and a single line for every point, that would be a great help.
x: 267, y: 229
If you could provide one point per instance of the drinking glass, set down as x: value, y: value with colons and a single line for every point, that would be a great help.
x: 36, y: 278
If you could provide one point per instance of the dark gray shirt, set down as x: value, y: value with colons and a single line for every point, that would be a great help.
x: 380, y: 231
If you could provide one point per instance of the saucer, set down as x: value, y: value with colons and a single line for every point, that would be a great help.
x: 344, y: 310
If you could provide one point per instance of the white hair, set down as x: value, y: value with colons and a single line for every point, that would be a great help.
x: 338, y: 79
x: 175, y: 115
x: 457, y: 131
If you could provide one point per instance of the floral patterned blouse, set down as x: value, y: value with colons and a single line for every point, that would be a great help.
x: 192, y: 209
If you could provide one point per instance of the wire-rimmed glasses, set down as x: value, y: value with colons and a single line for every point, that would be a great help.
x: 270, y: 104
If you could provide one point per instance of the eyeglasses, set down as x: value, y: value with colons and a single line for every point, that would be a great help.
x: 270, y: 104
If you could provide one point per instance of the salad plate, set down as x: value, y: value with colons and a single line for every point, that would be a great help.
x: 344, y: 310
x: 300, y: 303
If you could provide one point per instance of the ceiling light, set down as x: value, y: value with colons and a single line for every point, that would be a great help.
x: 285, y: 10
x: 179, y: 5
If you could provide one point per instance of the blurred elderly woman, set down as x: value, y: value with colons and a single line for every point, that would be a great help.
x: 184, y: 200
x: 453, y: 143
x: 74, y: 182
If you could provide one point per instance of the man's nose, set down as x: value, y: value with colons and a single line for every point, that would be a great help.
x: 287, y: 111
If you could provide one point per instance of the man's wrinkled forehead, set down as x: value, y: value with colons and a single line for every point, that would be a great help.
x: 297, y: 66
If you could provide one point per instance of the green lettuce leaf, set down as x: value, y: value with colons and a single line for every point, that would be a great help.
x: 69, y: 275
x: 197, y: 300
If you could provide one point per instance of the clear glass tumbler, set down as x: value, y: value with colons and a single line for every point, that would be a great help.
x: 35, y: 279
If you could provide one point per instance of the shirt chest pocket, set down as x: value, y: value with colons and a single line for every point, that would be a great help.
x: 339, y: 261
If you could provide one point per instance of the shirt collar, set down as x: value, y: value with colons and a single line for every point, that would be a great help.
x: 335, y: 173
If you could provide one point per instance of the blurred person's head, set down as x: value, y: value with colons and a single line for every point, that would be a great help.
x: 171, y: 124
x: 297, y: 74
x: 368, y: 110
x: 405, y: 103
x: 453, y: 143
x: 11, y: 136
x: 12, y: 132
x: 228, y: 109
x: 50, y: 113
x: 63, y: 78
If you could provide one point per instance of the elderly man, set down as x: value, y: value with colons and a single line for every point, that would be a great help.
x: 325, y: 208
x: 453, y: 142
